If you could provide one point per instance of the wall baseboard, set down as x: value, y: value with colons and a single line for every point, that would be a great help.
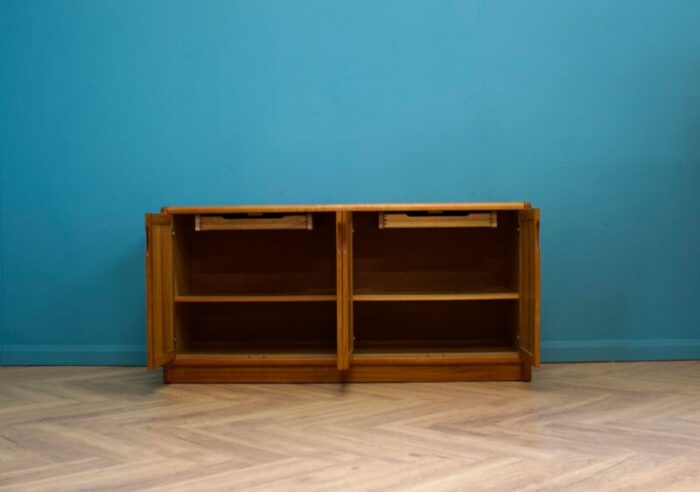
x: 552, y: 351
x: 620, y: 350
x: 72, y: 355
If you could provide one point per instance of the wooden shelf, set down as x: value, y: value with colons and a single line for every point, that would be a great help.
x: 258, y: 298
x: 436, y: 296
x: 419, y: 357
x: 305, y: 357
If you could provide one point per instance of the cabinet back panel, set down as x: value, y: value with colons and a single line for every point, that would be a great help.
x: 434, y: 259
x: 258, y: 327
x: 258, y: 261
x: 435, y: 326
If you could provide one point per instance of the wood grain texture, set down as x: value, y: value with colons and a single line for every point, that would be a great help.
x: 434, y: 260
x: 529, y: 285
x: 342, y: 358
x: 349, y: 281
x: 259, y: 298
x: 357, y: 207
x: 434, y: 291
x: 405, y: 358
x: 275, y: 360
x: 345, y: 281
x: 378, y: 370
x: 258, y: 262
x: 368, y: 367
x: 160, y: 323
x: 254, y: 328
x: 406, y: 221
x: 577, y: 427
x: 251, y: 223
x: 447, y: 296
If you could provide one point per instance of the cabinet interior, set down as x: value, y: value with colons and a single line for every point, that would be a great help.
x: 434, y: 260
x: 257, y: 292
x: 258, y: 328
x: 430, y: 327
x: 255, y: 262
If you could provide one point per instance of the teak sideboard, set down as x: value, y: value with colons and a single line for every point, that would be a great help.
x: 334, y: 293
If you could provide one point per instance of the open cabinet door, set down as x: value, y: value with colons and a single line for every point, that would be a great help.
x: 344, y: 289
x: 529, y: 285
x: 160, y: 331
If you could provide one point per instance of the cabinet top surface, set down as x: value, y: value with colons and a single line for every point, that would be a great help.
x: 350, y: 207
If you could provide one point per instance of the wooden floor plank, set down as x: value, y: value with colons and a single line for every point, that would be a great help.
x: 602, y: 426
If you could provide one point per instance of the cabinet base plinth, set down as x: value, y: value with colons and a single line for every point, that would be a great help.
x: 174, y: 373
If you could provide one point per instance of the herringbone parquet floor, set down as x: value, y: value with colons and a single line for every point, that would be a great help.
x: 582, y: 427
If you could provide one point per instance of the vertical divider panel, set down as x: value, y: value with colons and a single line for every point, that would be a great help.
x: 349, y: 286
x: 341, y: 355
x: 159, y: 290
x: 344, y: 288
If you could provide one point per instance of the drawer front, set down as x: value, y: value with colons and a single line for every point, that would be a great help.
x: 437, y: 219
x: 246, y: 222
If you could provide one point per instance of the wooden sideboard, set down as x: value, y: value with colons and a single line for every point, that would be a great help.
x: 334, y: 293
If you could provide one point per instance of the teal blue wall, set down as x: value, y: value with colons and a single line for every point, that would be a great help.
x: 589, y: 108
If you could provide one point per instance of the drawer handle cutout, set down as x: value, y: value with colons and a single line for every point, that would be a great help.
x: 426, y: 219
x: 251, y: 222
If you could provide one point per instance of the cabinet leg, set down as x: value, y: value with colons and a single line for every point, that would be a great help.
x: 527, y: 372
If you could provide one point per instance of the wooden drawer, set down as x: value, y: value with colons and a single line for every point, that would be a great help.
x: 437, y: 219
x: 245, y: 222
